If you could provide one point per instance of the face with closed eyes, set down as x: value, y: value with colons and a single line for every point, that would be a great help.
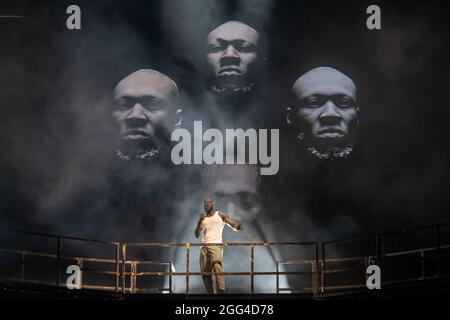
x: 326, y: 106
x: 144, y: 102
x: 232, y: 53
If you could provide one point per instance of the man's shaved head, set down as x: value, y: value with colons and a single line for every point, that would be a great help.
x: 233, y: 30
x: 147, y: 82
x: 232, y: 56
x: 146, y: 109
x: 326, y: 79
x: 325, y: 111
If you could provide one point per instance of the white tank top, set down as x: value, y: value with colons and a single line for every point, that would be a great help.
x: 212, y: 228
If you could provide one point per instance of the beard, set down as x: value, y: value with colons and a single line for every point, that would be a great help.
x: 328, y: 148
x: 225, y: 90
x: 145, y: 149
x: 332, y: 149
x: 229, y: 86
x: 332, y: 153
x: 128, y: 155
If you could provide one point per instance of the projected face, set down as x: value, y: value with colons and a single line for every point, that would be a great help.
x: 232, y: 53
x: 326, y: 109
x: 235, y: 189
x: 144, y: 102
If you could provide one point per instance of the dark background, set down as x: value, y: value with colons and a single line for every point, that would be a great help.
x: 55, y: 86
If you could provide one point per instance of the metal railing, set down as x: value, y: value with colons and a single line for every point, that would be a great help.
x: 379, y: 255
x: 252, y: 273
x: 319, y: 268
x: 134, y: 273
x: 59, y: 257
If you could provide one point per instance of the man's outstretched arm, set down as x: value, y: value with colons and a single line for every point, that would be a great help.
x: 230, y: 222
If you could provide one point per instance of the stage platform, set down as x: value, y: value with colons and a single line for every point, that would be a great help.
x: 435, y: 288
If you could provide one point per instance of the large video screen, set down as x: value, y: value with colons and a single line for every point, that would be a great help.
x: 277, y: 128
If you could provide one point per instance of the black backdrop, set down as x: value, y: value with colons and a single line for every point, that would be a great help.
x: 54, y: 82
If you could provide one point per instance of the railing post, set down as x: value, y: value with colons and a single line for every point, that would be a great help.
x: 316, y: 272
x: 22, y: 268
x: 187, y: 266
x: 438, y: 249
x: 323, y: 268
x: 58, y: 262
x: 366, y: 264
x: 170, y: 277
x: 278, y: 278
x: 252, y: 269
x: 422, y: 263
x: 133, y: 267
x: 117, y: 245
x: 313, y: 278
x: 378, y: 249
x: 80, y: 265
x: 124, y: 258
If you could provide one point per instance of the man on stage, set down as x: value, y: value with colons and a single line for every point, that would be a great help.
x: 210, y: 225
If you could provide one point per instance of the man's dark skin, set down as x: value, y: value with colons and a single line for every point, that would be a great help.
x: 209, y: 206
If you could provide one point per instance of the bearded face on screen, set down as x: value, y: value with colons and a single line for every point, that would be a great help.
x: 325, y: 112
x: 232, y: 55
x: 145, y: 109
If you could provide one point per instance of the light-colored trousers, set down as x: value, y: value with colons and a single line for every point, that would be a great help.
x: 211, y: 261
